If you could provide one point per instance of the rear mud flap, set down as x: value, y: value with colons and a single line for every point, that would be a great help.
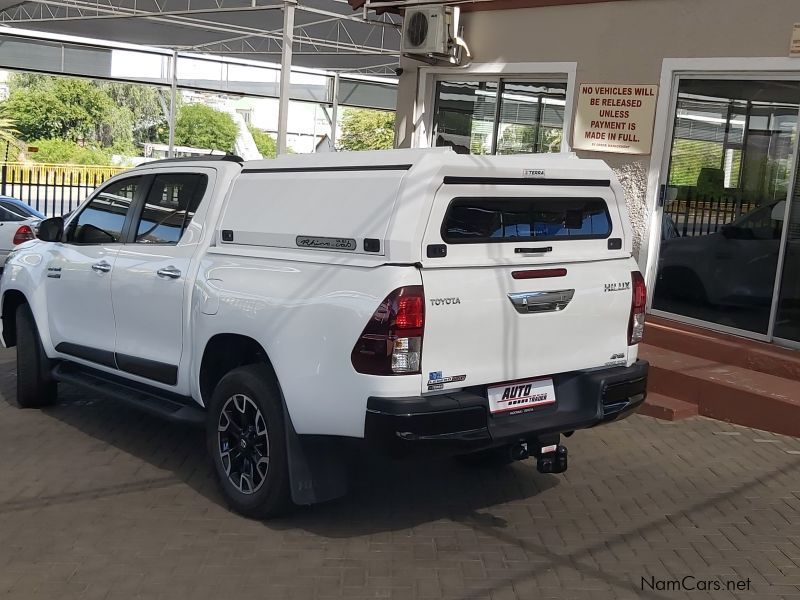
x: 317, y: 466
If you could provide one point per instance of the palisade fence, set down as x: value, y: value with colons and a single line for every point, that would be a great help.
x: 704, y: 215
x: 54, y: 190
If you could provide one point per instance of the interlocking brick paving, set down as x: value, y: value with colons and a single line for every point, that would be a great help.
x: 100, y: 501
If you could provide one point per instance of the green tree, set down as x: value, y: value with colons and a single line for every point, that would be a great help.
x: 366, y: 129
x: 10, y: 145
x: 265, y: 143
x: 68, y: 108
x: 148, y: 106
x: 201, y: 126
x: 517, y: 139
x: 117, y: 117
x: 68, y: 152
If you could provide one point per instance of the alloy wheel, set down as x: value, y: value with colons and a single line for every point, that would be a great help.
x: 243, y: 443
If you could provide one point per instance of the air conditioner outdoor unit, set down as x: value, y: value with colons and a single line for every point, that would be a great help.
x: 426, y: 30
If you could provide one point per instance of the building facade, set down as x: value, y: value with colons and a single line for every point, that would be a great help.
x: 714, y: 195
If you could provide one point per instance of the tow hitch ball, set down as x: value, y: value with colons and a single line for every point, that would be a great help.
x: 552, y: 459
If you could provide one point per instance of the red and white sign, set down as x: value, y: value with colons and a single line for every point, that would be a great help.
x: 520, y: 395
x: 794, y: 45
x: 615, y: 117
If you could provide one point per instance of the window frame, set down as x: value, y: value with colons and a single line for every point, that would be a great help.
x: 73, y: 221
x: 500, y: 82
x: 128, y: 235
x: 457, y: 200
x: 421, y: 131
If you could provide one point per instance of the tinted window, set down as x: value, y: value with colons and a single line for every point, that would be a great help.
x: 525, y: 219
x: 14, y: 212
x: 7, y: 215
x: 170, y: 206
x: 102, y: 220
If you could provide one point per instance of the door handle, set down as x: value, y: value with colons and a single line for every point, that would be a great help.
x: 539, y: 302
x: 170, y: 272
x: 101, y: 267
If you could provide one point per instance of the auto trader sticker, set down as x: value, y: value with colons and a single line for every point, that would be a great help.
x: 521, y: 395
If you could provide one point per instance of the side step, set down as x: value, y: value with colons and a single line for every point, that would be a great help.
x: 151, y: 400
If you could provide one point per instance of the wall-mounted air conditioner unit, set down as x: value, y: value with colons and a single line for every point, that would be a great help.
x: 427, y: 30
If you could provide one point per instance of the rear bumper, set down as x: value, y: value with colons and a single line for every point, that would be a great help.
x: 461, y: 422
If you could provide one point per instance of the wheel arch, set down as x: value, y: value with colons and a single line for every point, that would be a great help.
x: 224, y: 352
x: 12, y: 299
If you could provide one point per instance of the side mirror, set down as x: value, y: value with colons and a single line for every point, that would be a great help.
x: 51, y: 230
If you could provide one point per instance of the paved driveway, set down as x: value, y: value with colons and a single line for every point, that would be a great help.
x: 99, y: 501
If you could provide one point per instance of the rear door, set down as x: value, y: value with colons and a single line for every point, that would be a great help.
x: 149, y: 287
x: 523, y: 281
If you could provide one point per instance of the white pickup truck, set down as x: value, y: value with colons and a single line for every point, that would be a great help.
x: 416, y: 301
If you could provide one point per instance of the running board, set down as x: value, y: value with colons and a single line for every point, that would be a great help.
x: 149, y: 400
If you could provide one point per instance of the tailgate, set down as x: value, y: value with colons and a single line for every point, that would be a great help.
x: 529, y: 285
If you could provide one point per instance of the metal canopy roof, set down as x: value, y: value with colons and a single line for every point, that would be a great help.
x: 328, y: 34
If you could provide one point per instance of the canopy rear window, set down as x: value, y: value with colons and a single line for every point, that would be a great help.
x: 504, y: 219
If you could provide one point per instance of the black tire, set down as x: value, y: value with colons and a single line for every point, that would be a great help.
x: 35, y: 384
x: 491, y: 458
x: 236, y: 462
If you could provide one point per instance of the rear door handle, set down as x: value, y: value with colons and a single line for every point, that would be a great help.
x: 169, y: 272
x: 539, y: 302
x: 101, y: 267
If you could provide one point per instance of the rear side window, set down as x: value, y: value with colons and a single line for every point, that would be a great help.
x: 494, y: 220
x: 13, y: 212
x: 9, y: 215
x: 170, y: 207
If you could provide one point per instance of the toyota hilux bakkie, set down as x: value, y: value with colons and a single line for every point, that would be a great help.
x: 416, y: 301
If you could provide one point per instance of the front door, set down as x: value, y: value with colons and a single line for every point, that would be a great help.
x: 81, y: 319
x: 148, y: 288
x: 725, y: 202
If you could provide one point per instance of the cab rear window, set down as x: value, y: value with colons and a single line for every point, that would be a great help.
x: 493, y: 220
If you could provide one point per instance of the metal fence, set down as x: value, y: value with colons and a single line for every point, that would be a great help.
x: 705, y: 215
x: 52, y: 189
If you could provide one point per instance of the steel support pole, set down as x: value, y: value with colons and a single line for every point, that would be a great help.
x: 173, y: 104
x: 335, y: 109
x: 286, y: 73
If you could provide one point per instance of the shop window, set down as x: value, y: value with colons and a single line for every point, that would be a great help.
x: 528, y: 119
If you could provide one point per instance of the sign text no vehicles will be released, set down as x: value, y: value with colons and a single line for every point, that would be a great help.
x: 615, y: 118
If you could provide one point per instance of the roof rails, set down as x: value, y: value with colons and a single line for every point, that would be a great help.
x: 203, y: 158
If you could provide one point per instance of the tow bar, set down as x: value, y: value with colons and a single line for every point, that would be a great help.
x: 552, y: 459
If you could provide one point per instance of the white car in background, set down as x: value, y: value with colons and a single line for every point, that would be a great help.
x: 18, y: 223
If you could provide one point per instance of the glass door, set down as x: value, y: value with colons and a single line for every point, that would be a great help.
x: 724, y: 202
x: 787, y: 318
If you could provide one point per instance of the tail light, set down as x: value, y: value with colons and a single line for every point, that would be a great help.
x: 391, y: 343
x: 638, y: 306
x: 24, y: 234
